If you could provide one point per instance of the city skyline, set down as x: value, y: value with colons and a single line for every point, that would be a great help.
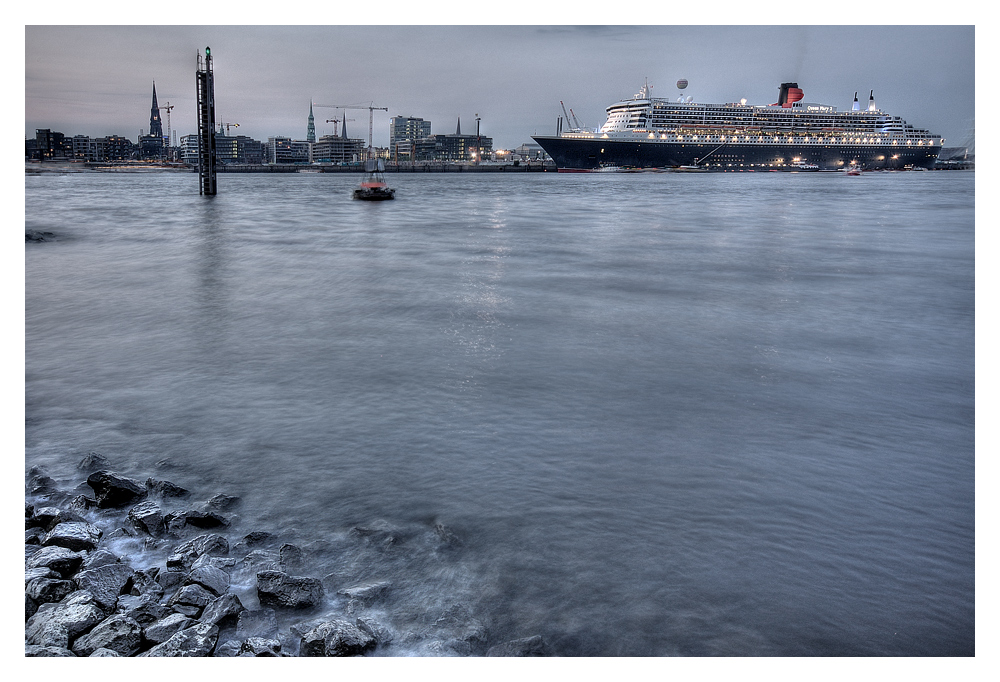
x: 97, y: 80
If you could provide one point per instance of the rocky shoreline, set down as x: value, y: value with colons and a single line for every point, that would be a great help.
x: 119, y: 567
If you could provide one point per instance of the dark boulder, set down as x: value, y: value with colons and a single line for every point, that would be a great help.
x: 222, y: 502
x: 213, y: 579
x: 75, y: 535
x: 165, y: 489
x: 367, y: 593
x: 381, y: 634
x: 93, y: 461
x: 100, y: 557
x: 228, y: 649
x: 211, y: 544
x: 48, y: 518
x: 61, y: 560
x: 112, y: 490
x: 47, y: 590
x: 104, y: 653
x: 261, y: 647
x: 33, y: 536
x: 144, y: 610
x: 177, y: 521
x: 57, y: 624
x: 280, y: 590
x: 198, y: 640
x: 223, y: 611
x: 106, y: 582
x: 165, y: 628
x: 32, y: 573
x: 118, y: 633
x: 34, y: 651
x: 190, y: 600
x: 147, y: 517
x: 528, y: 646
x: 289, y: 557
x: 336, y: 638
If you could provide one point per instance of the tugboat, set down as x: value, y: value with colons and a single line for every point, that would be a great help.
x: 373, y: 187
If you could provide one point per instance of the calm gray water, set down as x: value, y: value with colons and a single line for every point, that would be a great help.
x: 669, y: 414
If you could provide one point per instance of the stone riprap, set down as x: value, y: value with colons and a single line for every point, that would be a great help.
x: 172, y: 591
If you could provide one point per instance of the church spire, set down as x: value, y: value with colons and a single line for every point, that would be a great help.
x: 155, y: 126
x: 343, y: 132
x: 311, y: 129
x: 458, y: 131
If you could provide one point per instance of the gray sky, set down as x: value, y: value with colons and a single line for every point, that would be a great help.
x: 96, y: 80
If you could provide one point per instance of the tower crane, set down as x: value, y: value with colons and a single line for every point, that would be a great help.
x: 167, y: 107
x: 371, y: 116
x: 335, y: 121
x: 235, y: 125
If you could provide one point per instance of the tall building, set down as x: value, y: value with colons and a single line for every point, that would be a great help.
x: 151, y: 146
x: 404, y: 132
x: 311, y: 128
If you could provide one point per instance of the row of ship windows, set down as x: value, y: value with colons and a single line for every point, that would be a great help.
x: 785, y: 139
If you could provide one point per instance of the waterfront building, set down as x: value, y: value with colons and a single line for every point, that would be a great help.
x: 80, y: 145
x: 118, y: 148
x: 286, y: 150
x: 337, y: 149
x: 238, y: 149
x: 457, y: 147
x: 404, y: 131
x: 50, y: 144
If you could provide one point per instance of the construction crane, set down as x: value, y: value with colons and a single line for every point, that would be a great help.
x: 167, y: 107
x: 565, y: 115
x: 371, y: 116
x: 235, y: 125
x: 335, y: 121
x: 575, y: 122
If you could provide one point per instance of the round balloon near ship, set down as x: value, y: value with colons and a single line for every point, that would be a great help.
x: 682, y: 83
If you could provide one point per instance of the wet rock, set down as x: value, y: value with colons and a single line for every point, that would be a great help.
x: 33, y: 536
x: 254, y: 539
x: 223, y: 611
x: 48, y: 518
x: 367, y: 593
x: 280, y: 590
x: 221, y: 562
x: 30, y: 550
x: 147, y: 517
x: 104, y: 653
x: 190, y: 600
x: 100, y: 557
x: 261, y: 560
x: 211, y: 544
x: 118, y: 633
x: 336, y: 638
x: 144, y: 583
x: 165, y: 489
x: 57, y: 624
x: 165, y: 628
x: 528, y: 646
x: 178, y: 521
x: 47, y: 590
x: 75, y: 535
x: 61, y: 560
x: 260, y: 646
x: 144, y: 610
x: 39, y: 483
x: 257, y: 623
x: 34, y: 651
x: 289, y: 557
x: 93, y: 461
x: 228, y: 649
x: 380, y: 633
x: 123, y: 532
x: 30, y: 607
x: 170, y: 578
x: 82, y: 503
x: 445, y: 536
x: 222, y: 502
x: 198, y: 640
x: 112, y: 490
x: 215, y: 580
x: 106, y: 582
x: 32, y: 573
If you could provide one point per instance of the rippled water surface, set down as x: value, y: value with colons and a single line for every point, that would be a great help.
x: 666, y: 414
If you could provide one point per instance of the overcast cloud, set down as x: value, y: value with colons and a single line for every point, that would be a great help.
x: 96, y: 80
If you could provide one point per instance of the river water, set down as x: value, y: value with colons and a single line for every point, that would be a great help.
x: 665, y: 414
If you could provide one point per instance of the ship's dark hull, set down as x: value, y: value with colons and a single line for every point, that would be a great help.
x: 587, y: 154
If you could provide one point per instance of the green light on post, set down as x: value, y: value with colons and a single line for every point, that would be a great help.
x: 208, y: 52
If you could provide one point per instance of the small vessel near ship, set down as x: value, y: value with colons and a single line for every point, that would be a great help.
x: 373, y: 187
x: 791, y: 134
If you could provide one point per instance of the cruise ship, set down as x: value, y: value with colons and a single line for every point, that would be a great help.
x: 791, y: 134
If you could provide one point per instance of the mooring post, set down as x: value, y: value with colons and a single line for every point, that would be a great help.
x: 206, y: 125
